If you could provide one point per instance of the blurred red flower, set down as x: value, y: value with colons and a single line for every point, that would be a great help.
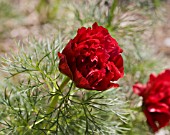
x: 92, y: 59
x: 156, y: 99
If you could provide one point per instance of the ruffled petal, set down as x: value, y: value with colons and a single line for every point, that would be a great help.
x: 80, y: 81
x: 159, y: 107
x: 157, y: 120
x: 114, y: 71
x: 63, y: 65
x: 139, y: 89
x: 162, y: 119
x: 150, y: 121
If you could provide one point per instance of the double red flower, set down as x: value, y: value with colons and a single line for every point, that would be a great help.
x: 156, y: 99
x: 92, y: 59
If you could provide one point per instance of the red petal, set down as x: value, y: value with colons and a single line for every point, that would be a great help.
x: 80, y: 81
x: 115, y: 85
x: 95, y: 76
x: 163, y: 77
x: 159, y: 107
x: 152, y: 77
x: 63, y: 66
x: 139, y: 89
x: 158, y: 115
x: 157, y: 120
x: 151, y: 121
x: 95, y: 25
x: 116, y: 74
x: 118, y: 62
x: 162, y: 119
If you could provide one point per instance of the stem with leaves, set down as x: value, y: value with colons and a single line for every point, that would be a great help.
x: 54, y: 100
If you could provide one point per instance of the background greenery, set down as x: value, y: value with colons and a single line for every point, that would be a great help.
x: 30, y: 76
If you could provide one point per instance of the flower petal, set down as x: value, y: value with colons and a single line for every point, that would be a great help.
x: 63, y: 65
x: 80, y: 81
x: 139, y: 89
x: 151, y: 121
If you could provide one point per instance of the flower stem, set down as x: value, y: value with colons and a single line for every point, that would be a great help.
x: 111, y: 12
x: 54, y: 99
x: 53, y: 102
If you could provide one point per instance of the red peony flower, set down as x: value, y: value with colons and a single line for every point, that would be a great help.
x: 92, y: 59
x: 156, y: 99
